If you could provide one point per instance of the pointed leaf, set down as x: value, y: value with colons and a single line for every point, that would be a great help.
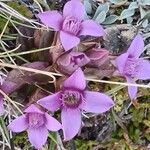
x: 127, y: 13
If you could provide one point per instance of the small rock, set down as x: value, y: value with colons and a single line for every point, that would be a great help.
x: 118, y: 38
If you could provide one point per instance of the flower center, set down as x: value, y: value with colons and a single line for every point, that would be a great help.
x: 71, y: 99
x: 72, y: 26
x: 131, y: 67
x: 36, y: 120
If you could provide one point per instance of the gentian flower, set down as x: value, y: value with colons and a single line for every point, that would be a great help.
x: 132, y: 67
x: 3, y: 86
x: 37, y: 123
x: 7, y: 87
x: 71, y: 24
x: 73, y: 99
x: 69, y: 62
x: 98, y: 57
x: 1, y: 96
x: 1, y: 105
x: 100, y: 64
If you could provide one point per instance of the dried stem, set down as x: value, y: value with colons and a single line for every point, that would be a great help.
x: 52, y: 74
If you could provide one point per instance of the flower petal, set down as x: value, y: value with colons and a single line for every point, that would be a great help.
x: 121, y: 61
x: 32, y: 108
x: 97, y: 102
x: 97, y: 53
x: 1, y: 105
x: 144, y: 70
x: 90, y: 27
x: 38, y: 136
x: 71, y: 122
x: 19, y: 124
x: 65, y: 59
x: 68, y: 41
x: 51, y: 102
x: 76, y: 80
x: 52, y: 19
x: 51, y: 123
x: 137, y: 46
x: 80, y: 58
x: 8, y: 86
x: 74, y: 9
x: 132, y: 90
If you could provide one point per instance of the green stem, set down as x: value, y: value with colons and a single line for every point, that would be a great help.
x: 2, y: 123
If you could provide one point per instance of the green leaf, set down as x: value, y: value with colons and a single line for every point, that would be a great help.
x: 100, y: 8
x: 119, y: 121
x: 143, y: 14
x: 118, y: 2
x: 22, y: 9
x: 2, y: 24
x: 129, y: 20
x: 5, y: 130
x: 147, y: 123
x: 144, y: 2
x: 133, y: 5
x: 88, y: 6
x: 110, y: 19
x: 52, y: 136
x: 127, y: 13
x: 101, y: 17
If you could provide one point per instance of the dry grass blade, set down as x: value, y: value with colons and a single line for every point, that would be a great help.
x: 52, y: 74
x: 10, y: 51
x: 2, y: 55
x: 11, y: 101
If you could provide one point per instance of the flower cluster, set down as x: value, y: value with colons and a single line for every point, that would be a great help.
x: 73, y: 99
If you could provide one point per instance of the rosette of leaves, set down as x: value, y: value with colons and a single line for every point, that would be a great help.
x: 113, y: 10
x: 102, y: 13
x: 141, y: 6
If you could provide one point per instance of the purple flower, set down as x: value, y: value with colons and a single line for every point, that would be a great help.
x: 37, y: 124
x: 6, y: 87
x: 71, y: 24
x: 100, y: 64
x: 69, y: 62
x: 98, y: 57
x: 1, y: 96
x: 132, y: 67
x: 1, y: 105
x: 73, y: 99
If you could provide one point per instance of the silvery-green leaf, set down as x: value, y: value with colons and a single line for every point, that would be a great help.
x: 118, y: 2
x: 147, y: 47
x: 145, y: 16
x: 142, y: 12
x: 133, y: 5
x: 100, y: 8
x: 145, y: 23
x: 88, y: 6
x: 127, y: 13
x: 144, y: 2
x: 110, y: 19
x: 129, y: 20
x: 101, y: 17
